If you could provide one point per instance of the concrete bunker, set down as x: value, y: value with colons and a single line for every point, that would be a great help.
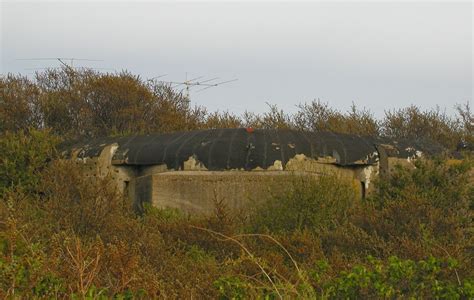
x: 188, y: 170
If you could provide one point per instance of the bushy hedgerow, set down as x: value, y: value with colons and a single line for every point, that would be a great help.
x: 85, y: 103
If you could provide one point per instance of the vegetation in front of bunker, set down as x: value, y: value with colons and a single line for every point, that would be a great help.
x: 69, y: 236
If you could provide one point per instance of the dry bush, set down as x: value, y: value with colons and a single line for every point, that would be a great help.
x: 79, y: 237
x: 466, y: 119
x: 19, y: 104
x: 92, y: 242
x: 222, y: 120
x: 85, y: 103
x: 84, y: 205
x: 104, y: 104
x: 274, y: 118
x: 319, y: 116
x: 412, y: 123
x: 174, y: 111
x: 415, y: 214
x: 79, y: 263
x: 99, y: 216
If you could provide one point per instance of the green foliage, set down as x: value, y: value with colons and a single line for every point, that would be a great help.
x: 398, y: 278
x: 308, y: 203
x: 445, y: 185
x: 231, y: 288
x: 49, y: 287
x: 23, y: 263
x: 414, y: 214
x: 24, y: 155
x: 94, y: 293
x: 163, y: 214
x: 22, y: 272
x: 198, y: 254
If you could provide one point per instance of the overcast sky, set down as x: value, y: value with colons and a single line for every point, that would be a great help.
x: 378, y: 55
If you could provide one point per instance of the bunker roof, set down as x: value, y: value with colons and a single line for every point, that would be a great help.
x: 247, y: 149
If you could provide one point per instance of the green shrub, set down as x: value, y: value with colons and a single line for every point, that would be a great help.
x: 23, y: 155
x: 24, y: 270
x: 398, y: 278
x: 414, y: 214
x: 231, y: 288
x: 308, y: 203
x: 445, y: 184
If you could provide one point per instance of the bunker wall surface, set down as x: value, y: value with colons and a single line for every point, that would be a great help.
x: 196, y: 192
x: 195, y: 189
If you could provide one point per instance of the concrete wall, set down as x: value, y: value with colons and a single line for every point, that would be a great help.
x: 195, y: 190
x: 101, y: 166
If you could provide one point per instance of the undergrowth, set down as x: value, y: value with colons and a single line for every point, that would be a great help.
x: 63, y: 235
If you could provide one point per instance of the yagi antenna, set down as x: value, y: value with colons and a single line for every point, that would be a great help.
x: 156, y: 77
x: 208, y: 86
x: 54, y: 68
x: 194, y: 82
x: 56, y: 58
x: 61, y: 60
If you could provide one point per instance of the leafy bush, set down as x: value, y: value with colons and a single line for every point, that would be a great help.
x: 397, y: 278
x: 308, y: 203
x: 231, y: 288
x: 445, y: 185
x: 414, y: 214
x: 23, y: 156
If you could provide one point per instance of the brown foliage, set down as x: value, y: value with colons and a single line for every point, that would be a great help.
x: 19, y: 103
x: 318, y: 116
x: 411, y: 122
x: 86, y: 103
x: 77, y: 235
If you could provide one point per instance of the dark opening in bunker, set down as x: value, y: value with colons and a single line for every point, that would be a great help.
x: 126, y: 188
x: 362, y: 189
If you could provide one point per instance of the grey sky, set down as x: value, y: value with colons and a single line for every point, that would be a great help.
x: 379, y: 55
